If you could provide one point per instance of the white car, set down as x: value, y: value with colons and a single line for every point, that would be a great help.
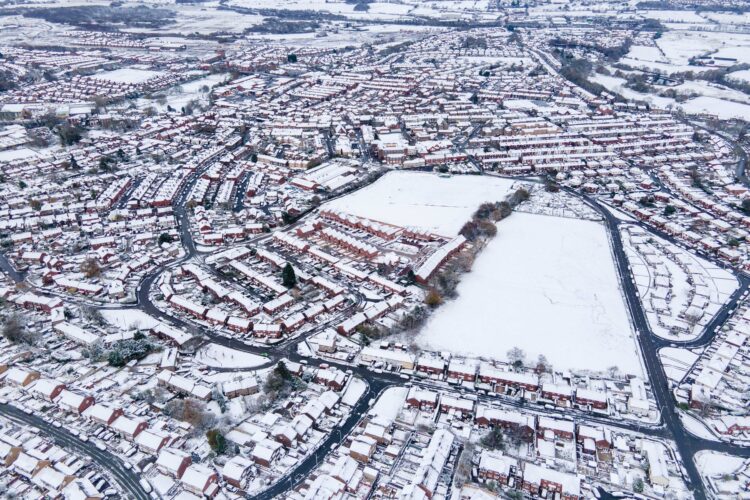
x: 83, y: 437
x: 145, y: 485
x: 57, y: 424
x: 101, y: 446
x: 127, y: 465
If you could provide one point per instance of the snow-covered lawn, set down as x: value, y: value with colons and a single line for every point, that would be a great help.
x: 423, y: 200
x: 676, y: 362
x: 217, y: 356
x: 696, y: 427
x: 724, y: 474
x: 354, y: 390
x: 220, y: 377
x: 711, y: 463
x: 389, y: 404
x: 129, y: 318
x: 544, y: 284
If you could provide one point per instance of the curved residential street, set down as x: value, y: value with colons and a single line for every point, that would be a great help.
x: 126, y: 479
x: 670, y: 427
x: 687, y: 444
x: 356, y: 248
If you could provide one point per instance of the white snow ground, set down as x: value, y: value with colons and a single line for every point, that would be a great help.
x: 427, y: 201
x: 676, y: 362
x: 696, y: 427
x: 128, y: 75
x: 354, y: 391
x: 129, y: 318
x: 389, y: 404
x: 546, y: 287
x: 218, y: 356
x: 722, y: 108
x: 712, y: 463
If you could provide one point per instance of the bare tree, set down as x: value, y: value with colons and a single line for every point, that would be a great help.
x: 192, y: 411
x: 90, y: 268
x: 433, y: 298
x: 14, y: 331
x: 517, y: 357
x: 543, y: 365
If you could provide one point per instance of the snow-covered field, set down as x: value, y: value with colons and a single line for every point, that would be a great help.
x: 645, y: 53
x: 674, y: 49
x: 128, y: 75
x: 712, y: 90
x: 713, y: 99
x: 379, y: 35
x: 547, y: 287
x: 719, y: 107
x: 423, y: 200
x: 615, y: 84
x: 675, y: 16
x: 379, y: 10
x: 728, y: 17
x: 199, y: 19
x: 180, y: 95
x: 217, y: 356
x: 740, y: 76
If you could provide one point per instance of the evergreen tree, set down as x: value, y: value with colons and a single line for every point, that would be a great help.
x: 217, y: 441
x: 282, y: 371
x: 288, y: 278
